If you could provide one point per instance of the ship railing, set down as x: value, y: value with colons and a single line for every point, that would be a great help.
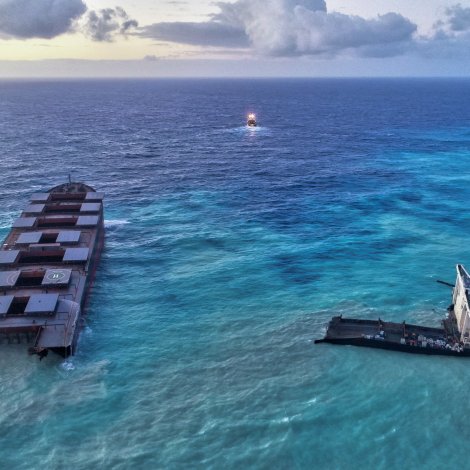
x: 38, y: 334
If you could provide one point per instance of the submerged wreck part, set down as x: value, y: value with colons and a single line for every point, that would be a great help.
x: 452, y: 339
x: 47, y: 266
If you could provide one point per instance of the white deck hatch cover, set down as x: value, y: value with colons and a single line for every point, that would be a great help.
x: 8, y: 278
x: 24, y: 222
x: 8, y: 256
x: 68, y: 236
x: 34, y: 209
x: 41, y: 304
x: 57, y: 277
x: 28, y: 237
x: 40, y: 197
x: 90, y: 207
x: 91, y: 196
x: 76, y: 254
x: 87, y: 221
x: 5, y: 302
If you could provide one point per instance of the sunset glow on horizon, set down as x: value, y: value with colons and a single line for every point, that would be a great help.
x: 316, y: 36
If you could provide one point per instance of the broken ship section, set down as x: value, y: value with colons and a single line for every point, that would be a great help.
x: 452, y: 339
x: 47, y: 266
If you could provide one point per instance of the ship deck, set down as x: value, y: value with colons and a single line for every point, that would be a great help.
x: 395, y: 336
x: 352, y: 328
x: 47, y: 263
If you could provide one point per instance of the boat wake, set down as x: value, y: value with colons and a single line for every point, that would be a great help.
x: 249, y: 130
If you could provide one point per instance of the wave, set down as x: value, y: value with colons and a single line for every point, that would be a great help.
x: 68, y: 365
x: 115, y: 223
x: 248, y: 130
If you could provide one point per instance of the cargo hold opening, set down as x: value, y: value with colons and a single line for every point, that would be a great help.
x: 65, y: 221
x: 67, y: 196
x: 18, y: 306
x: 49, y: 237
x: 41, y: 256
x: 30, y: 279
x: 58, y: 207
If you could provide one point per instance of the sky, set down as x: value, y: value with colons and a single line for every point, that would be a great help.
x: 234, y: 38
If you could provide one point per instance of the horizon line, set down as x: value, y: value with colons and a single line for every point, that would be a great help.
x: 223, y: 77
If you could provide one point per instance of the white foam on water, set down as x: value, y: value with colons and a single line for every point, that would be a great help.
x: 247, y: 130
x: 386, y: 435
x: 68, y: 365
x: 115, y: 223
x: 8, y: 221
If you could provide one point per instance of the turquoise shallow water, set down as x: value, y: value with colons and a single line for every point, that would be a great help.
x: 227, y: 251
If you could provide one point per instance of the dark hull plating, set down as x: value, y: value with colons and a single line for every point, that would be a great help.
x: 389, y: 346
x: 398, y: 337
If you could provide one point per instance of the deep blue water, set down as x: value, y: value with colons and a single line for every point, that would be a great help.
x: 228, y: 250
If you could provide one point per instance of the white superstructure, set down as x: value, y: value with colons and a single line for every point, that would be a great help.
x: 461, y: 304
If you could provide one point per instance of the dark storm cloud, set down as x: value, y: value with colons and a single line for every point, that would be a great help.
x: 458, y: 18
x: 211, y: 33
x: 103, y: 25
x: 290, y: 28
x: 450, y: 37
x: 38, y: 18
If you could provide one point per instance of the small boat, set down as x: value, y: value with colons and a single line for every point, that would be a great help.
x: 251, y: 122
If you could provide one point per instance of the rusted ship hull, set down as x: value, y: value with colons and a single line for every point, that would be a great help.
x: 48, y: 263
x: 392, y: 346
x: 401, y: 337
x: 96, y: 257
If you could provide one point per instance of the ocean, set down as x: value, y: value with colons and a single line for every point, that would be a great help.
x: 228, y: 249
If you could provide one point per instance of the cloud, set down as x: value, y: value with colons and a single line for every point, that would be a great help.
x: 103, y: 25
x: 450, y: 37
x: 50, y: 18
x: 455, y: 24
x: 211, y: 33
x: 38, y: 18
x: 290, y: 28
x: 458, y: 18
x: 151, y: 58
